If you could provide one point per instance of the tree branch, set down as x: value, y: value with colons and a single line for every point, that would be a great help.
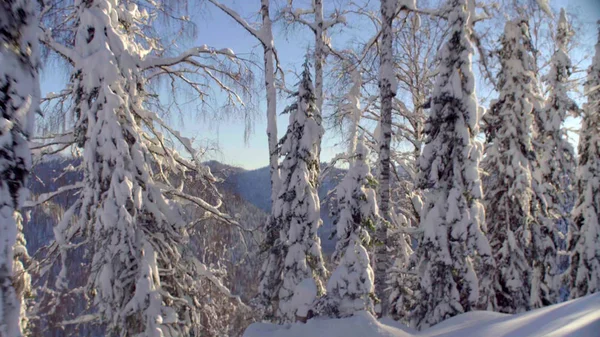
x: 234, y: 15
x: 153, y: 62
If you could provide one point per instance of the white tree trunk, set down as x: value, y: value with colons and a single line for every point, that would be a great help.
x: 319, y: 53
x: 271, y: 97
x: 387, y: 87
x: 319, y: 60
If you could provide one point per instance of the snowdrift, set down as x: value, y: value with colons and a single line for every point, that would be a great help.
x: 577, y: 318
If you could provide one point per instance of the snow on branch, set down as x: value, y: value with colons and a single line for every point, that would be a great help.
x: 214, y: 210
x: 296, y: 16
x: 43, y: 198
x: 80, y: 320
x: 203, y: 270
x: 153, y: 62
x: 48, y: 41
x: 262, y: 34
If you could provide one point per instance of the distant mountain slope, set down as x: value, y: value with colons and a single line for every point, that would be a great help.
x: 255, y: 187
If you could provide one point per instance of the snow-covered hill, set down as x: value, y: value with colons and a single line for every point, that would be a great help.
x: 577, y: 318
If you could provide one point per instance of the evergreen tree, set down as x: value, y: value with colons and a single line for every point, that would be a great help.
x: 453, y: 216
x: 556, y: 170
x: 584, y: 236
x: 297, y: 209
x: 143, y: 278
x: 402, y: 279
x: 19, y: 100
x: 271, y: 272
x: 351, y: 286
x: 510, y: 199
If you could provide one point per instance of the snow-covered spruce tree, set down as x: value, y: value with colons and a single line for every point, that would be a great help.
x: 143, y: 277
x: 415, y: 62
x: 556, y: 173
x: 19, y: 100
x: 509, y: 155
x: 351, y: 286
x: 402, y: 279
x: 584, y: 236
x: 559, y: 162
x: 453, y: 216
x: 297, y: 209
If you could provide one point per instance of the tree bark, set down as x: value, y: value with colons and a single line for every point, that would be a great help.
x: 387, y: 93
x: 319, y: 60
x: 271, y: 98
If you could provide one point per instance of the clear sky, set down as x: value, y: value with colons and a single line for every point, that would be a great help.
x: 219, y: 31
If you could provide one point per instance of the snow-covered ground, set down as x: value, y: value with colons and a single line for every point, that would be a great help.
x: 577, y: 318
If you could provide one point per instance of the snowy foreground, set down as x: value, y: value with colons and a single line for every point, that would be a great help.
x: 577, y: 318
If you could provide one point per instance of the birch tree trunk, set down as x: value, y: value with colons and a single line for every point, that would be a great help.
x: 319, y: 60
x: 387, y: 87
x: 319, y: 54
x: 270, y: 274
x: 267, y: 41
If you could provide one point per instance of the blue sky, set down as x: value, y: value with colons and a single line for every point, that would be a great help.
x: 227, y: 132
x: 292, y: 46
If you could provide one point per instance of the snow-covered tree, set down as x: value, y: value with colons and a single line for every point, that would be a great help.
x: 297, y: 208
x: 453, y: 216
x: 558, y: 154
x: 415, y: 64
x: 510, y: 159
x: 402, y: 279
x: 584, y: 235
x: 19, y: 100
x: 351, y: 286
x: 556, y: 160
x: 143, y: 278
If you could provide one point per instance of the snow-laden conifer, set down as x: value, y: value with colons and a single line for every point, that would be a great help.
x: 143, y: 278
x: 402, y: 279
x: 351, y: 286
x: 555, y: 169
x: 19, y: 100
x: 510, y: 159
x: 584, y: 236
x: 297, y: 209
x: 453, y: 218
x: 271, y: 271
x: 558, y: 155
